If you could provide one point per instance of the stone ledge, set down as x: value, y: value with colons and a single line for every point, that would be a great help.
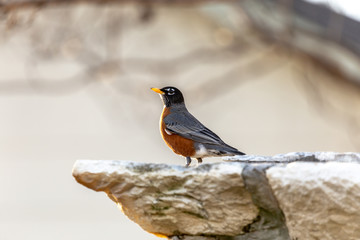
x: 290, y: 196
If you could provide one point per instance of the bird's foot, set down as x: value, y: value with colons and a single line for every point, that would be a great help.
x: 188, y: 161
x: 199, y: 161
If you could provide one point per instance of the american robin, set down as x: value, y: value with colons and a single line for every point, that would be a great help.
x: 184, y: 134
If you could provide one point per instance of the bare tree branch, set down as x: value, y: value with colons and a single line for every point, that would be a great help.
x: 90, y: 73
x: 11, y: 4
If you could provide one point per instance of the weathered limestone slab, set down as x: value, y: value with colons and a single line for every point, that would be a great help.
x: 313, y: 157
x: 319, y: 200
x: 172, y: 200
x: 295, y: 196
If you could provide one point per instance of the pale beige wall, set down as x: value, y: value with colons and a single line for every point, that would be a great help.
x: 255, y: 95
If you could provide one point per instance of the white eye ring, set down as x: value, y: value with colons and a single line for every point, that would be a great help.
x: 170, y: 91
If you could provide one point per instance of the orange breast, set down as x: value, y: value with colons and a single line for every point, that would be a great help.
x: 178, y: 144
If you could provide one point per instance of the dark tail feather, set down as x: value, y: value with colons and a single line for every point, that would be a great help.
x: 224, y: 149
x: 235, y: 151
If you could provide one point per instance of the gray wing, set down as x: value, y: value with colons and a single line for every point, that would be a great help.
x: 187, y: 126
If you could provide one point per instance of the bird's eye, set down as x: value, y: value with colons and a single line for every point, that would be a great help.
x: 170, y: 91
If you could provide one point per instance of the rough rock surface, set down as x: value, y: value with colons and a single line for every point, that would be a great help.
x: 297, y: 196
x: 320, y: 201
x: 172, y: 200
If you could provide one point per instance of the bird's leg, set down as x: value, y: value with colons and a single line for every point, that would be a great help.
x: 188, y: 161
x: 199, y: 160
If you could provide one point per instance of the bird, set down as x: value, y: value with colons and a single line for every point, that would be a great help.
x: 184, y: 134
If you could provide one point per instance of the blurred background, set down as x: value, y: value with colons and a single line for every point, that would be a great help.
x: 267, y: 76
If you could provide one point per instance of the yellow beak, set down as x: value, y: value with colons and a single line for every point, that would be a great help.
x: 157, y: 90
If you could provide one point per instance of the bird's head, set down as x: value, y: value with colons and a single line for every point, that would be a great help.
x: 170, y: 95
